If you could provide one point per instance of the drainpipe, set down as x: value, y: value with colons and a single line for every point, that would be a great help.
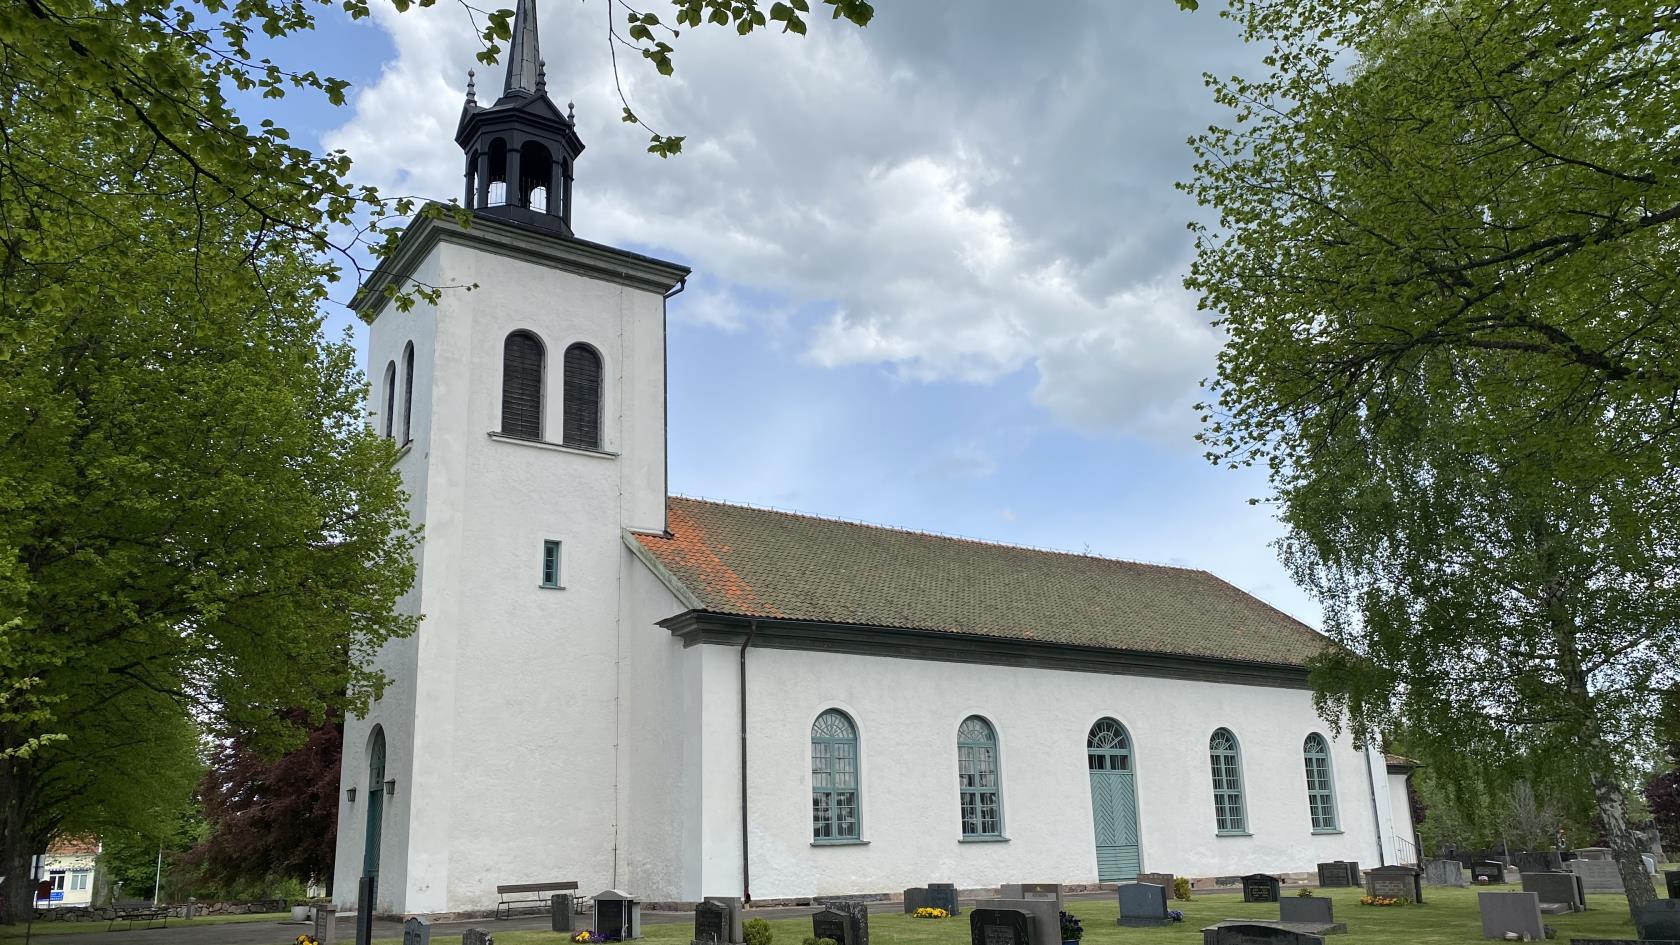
x: 746, y: 873
x: 1376, y: 810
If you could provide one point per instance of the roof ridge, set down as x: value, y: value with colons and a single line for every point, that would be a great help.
x: 946, y: 536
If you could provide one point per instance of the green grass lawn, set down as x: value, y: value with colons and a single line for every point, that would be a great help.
x: 13, y: 934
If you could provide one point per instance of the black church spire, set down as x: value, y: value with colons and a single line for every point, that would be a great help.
x: 521, y: 148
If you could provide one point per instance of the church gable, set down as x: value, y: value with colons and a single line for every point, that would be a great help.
x: 755, y: 563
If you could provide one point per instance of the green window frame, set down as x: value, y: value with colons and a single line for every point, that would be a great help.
x: 1321, y: 788
x: 979, y: 779
x: 834, y: 779
x: 1229, y: 814
x: 551, y: 563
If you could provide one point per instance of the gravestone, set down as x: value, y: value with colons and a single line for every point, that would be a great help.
x: 417, y: 930
x: 560, y: 912
x: 1443, y: 873
x: 1165, y: 880
x: 1537, y: 862
x: 844, y: 920
x: 1257, y: 933
x: 326, y: 925
x: 1505, y: 912
x: 718, y: 922
x: 916, y: 897
x: 1143, y: 904
x: 1046, y: 915
x: 1048, y: 891
x: 1317, y: 909
x: 1492, y: 873
x: 366, y: 889
x: 477, y: 937
x: 1672, y: 878
x: 618, y: 917
x: 1557, y: 886
x: 1598, y: 875
x: 1594, y: 853
x: 1395, y: 882
x: 1338, y: 874
x: 1650, y: 863
x: 944, y: 896
x: 987, y: 926
x: 1658, y: 919
x: 1261, y: 887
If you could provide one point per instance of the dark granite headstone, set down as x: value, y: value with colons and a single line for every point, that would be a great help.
x: 417, y: 930
x: 711, y: 923
x: 1395, y: 882
x: 1557, y: 887
x: 1142, y: 904
x: 1658, y: 919
x: 1506, y: 912
x: 560, y: 913
x: 844, y: 920
x: 943, y: 896
x: 916, y: 897
x: 1261, y: 887
x: 326, y: 925
x: 1338, y: 874
x: 1672, y: 878
x: 1493, y: 873
x: 1001, y: 927
x: 1537, y: 862
x: 366, y: 889
x: 1307, y: 909
x: 1257, y: 933
x: 477, y: 937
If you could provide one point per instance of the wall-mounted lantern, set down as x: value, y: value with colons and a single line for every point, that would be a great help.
x: 350, y: 795
x: 390, y: 787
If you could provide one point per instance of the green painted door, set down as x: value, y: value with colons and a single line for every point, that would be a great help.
x: 375, y: 803
x: 1108, y: 758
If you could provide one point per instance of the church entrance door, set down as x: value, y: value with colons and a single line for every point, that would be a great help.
x: 1108, y: 757
x: 375, y: 802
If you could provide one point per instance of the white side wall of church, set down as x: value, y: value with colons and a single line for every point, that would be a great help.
x: 907, y: 713
x: 1400, y: 814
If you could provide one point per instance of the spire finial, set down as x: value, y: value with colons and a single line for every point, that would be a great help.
x: 542, y: 77
x: 524, y: 58
x: 472, y: 88
x: 569, y: 108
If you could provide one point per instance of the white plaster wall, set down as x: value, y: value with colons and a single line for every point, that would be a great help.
x: 907, y: 714
x: 1400, y: 814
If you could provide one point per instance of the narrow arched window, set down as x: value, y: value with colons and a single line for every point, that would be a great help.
x: 1321, y: 792
x: 390, y: 400
x: 1228, y: 813
x: 977, y: 779
x: 408, y: 392
x: 1107, y: 748
x: 522, y: 386
x: 834, y: 778
x: 582, y: 427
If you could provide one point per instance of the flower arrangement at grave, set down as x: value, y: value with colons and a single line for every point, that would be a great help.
x: 588, y: 937
x: 1072, y: 931
x: 1304, y: 894
x: 306, y: 939
x: 1381, y: 901
x: 1175, y: 915
x: 927, y: 912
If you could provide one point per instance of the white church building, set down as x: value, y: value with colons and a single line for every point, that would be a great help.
x: 681, y: 698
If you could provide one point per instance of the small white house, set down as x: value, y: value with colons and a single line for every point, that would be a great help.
x: 68, y: 869
x: 681, y: 698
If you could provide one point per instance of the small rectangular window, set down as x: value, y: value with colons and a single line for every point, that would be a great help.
x: 551, y: 564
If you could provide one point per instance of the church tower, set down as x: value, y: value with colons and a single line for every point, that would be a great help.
x: 529, y: 406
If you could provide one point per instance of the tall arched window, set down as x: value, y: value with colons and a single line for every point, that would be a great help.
x: 1228, y: 813
x: 834, y: 778
x: 1107, y: 748
x: 978, y: 787
x: 375, y: 801
x: 522, y: 386
x: 582, y: 426
x: 1321, y: 792
x: 390, y: 400
x: 408, y: 392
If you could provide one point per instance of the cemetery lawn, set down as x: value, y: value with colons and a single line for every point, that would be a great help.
x: 13, y: 934
x: 1450, y: 917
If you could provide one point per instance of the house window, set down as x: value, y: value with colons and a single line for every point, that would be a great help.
x: 1321, y: 793
x: 522, y: 386
x: 79, y: 880
x: 582, y: 425
x: 977, y: 779
x: 408, y: 392
x: 390, y: 398
x: 551, y: 564
x: 834, y: 778
x: 1227, y: 783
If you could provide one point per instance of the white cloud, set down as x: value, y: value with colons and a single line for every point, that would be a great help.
x: 954, y: 194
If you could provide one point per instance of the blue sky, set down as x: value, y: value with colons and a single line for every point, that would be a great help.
x: 938, y: 261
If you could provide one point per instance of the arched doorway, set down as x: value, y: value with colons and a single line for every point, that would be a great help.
x: 375, y: 801
x: 1108, y: 758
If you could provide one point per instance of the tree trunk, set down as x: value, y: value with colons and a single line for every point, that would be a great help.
x: 16, y: 891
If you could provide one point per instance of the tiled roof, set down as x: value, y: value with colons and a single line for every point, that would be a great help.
x: 74, y: 846
x: 759, y: 563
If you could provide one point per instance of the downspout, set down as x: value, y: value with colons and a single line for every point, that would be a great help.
x: 1376, y: 810
x: 746, y: 872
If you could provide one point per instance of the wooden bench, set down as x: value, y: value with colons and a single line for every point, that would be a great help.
x: 137, y: 910
x: 516, y: 894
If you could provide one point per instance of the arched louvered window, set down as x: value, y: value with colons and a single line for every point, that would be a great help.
x: 408, y: 392
x: 522, y: 386
x: 1107, y: 748
x: 390, y: 400
x: 978, y: 786
x: 834, y: 778
x: 1321, y: 791
x: 1228, y: 811
x: 582, y: 426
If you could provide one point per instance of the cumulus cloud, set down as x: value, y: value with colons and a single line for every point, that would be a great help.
x: 959, y: 192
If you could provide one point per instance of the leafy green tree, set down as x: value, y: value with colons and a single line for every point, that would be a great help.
x: 1447, y: 264
x: 196, y: 524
